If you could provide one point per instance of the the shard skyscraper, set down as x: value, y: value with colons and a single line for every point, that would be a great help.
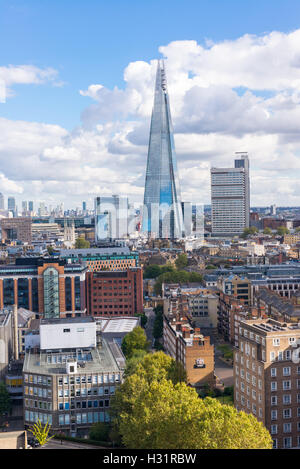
x: 162, y: 211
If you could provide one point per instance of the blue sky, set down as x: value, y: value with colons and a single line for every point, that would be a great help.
x: 71, y: 126
x: 92, y: 41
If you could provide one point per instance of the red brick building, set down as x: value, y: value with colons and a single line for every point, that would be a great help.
x: 117, y: 293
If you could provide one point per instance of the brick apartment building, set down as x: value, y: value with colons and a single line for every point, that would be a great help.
x: 187, y: 345
x: 267, y: 377
x: 115, y: 293
x: 230, y: 312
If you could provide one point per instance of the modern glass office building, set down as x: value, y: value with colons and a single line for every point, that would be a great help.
x: 162, y: 211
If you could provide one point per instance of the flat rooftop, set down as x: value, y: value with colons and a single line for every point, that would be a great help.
x: 79, y: 319
x: 108, y: 357
x: 91, y: 252
x: 270, y: 325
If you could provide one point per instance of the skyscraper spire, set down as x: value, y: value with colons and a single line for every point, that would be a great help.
x: 162, y: 216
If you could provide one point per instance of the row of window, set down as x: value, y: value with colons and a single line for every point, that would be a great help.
x: 86, y: 392
x: 84, y: 418
x: 83, y: 404
x: 35, y: 391
x: 92, y: 379
x: 286, y: 399
x: 286, y: 428
x: 38, y: 379
x: 35, y: 416
x: 38, y: 404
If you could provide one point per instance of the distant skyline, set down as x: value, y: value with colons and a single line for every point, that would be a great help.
x: 77, y: 84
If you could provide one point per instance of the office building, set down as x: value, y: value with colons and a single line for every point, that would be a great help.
x: 97, y: 259
x: 30, y: 206
x: 1, y: 201
x: 230, y: 198
x: 187, y: 218
x: 162, y: 211
x: 111, y: 218
x: 16, y: 229
x: 11, y: 204
x: 48, y: 287
x: 267, y: 377
x: 70, y: 376
x: 6, y: 340
x: 115, y: 293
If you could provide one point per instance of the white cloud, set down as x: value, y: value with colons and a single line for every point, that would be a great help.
x: 238, y: 95
x: 24, y: 74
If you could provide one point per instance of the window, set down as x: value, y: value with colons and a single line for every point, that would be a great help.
x: 287, y: 428
x: 273, y: 414
x: 286, y: 371
x: 287, y: 413
x: 273, y: 372
x: 276, y: 342
x: 287, y: 442
x: 288, y: 355
x: 66, y: 330
x: 286, y: 399
x: 274, y: 386
x: 272, y: 356
x: 273, y: 400
x: 286, y: 385
x: 274, y: 429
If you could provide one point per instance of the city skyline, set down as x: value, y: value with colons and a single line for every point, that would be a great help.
x: 68, y: 136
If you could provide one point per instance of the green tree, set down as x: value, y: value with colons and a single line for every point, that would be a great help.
x: 99, y: 431
x: 81, y: 243
x: 176, y: 276
x: 282, y: 230
x: 134, y: 340
x: 140, y: 372
x: 249, y: 232
x: 163, y: 416
x: 181, y: 261
x: 210, y: 267
x: 158, y: 323
x: 41, y: 432
x: 5, y: 400
x: 267, y: 231
x: 50, y: 250
x: 133, y: 361
x: 152, y: 271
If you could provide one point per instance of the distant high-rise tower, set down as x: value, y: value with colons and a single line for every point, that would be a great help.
x: 111, y: 217
x: 1, y: 201
x: 230, y: 198
x: 11, y: 203
x: 162, y: 211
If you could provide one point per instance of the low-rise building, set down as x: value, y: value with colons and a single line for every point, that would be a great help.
x: 69, y: 379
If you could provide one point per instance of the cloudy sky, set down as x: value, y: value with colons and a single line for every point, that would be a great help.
x: 76, y: 93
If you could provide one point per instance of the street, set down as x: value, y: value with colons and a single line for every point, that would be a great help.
x: 224, y: 372
x: 57, y: 444
x: 150, y: 323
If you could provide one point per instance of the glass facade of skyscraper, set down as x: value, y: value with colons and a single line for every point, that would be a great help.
x: 162, y: 216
